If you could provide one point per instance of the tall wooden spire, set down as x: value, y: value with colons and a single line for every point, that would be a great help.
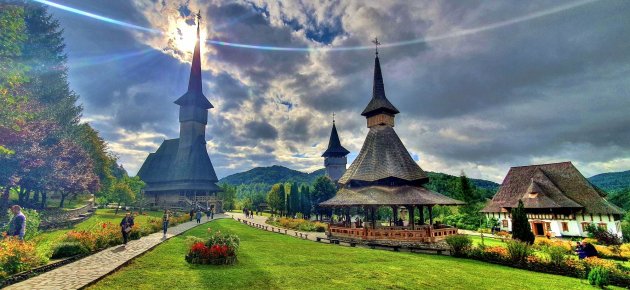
x: 194, y: 96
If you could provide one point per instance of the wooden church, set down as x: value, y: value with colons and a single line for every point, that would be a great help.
x: 180, y: 173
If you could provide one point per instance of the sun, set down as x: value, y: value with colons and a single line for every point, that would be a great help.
x: 182, y: 37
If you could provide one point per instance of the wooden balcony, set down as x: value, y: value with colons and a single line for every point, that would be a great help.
x: 421, y: 233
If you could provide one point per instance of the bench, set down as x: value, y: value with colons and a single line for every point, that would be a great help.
x: 425, y: 249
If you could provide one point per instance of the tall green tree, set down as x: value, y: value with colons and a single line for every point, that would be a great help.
x: 294, y: 200
x: 323, y: 189
x: 44, y: 54
x: 228, y: 196
x: 306, y: 206
x: 521, y: 229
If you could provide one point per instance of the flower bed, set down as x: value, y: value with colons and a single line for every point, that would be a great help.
x: 106, y: 235
x: 553, y: 257
x: 17, y: 256
x: 219, y: 249
x: 297, y: 224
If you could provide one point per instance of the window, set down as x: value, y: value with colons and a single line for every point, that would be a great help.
x: 565, y: 226
x: 505, y: 223
x: 585, y: 227
x: 602, y: 226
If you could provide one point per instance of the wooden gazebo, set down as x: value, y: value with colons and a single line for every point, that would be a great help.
x: 385, y: 174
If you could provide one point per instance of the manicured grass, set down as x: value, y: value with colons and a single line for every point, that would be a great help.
x: 274, y: 261
x: 46, y: 240
x: 491, y: 242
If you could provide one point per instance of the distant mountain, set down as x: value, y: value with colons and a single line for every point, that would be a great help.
x: 276, y: 174
x: 611, y: 181
x: 271, y: 175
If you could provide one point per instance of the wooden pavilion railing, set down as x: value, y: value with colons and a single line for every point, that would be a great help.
x: 424, y: 234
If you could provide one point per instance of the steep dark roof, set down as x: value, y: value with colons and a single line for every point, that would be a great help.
x: 379, y: 102
x: 382, y: 156
x: 388, y: 195
x: 194, y: 96
x: 171, y: 169
x: 559, y: 185
x: 334, y: 145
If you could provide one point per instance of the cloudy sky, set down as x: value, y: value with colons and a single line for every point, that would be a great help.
x: 481, y: 85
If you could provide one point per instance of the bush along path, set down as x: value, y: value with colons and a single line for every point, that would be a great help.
x: 90, y: 269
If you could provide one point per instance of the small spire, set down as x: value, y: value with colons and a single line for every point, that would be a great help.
x: 376, y: 44
x: 333, y: 117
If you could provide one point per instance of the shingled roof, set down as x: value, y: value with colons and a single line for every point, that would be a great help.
x: 379, y: 102
x: 334, y: 145
x: 383, y: 156
x: 388, y: 195
x: 168, y: 169
x: 556, y: 185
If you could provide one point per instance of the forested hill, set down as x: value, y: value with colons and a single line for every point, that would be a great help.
x: 263, y: 177
x: 611, y: 181
x: 271, y: 175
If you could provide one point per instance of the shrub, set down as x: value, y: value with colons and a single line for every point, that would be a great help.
x: 459, y: 244
x: 298, y: 224
x: 599, y: 276
x: 218, y: 249
x: 85, y: 238
x: 603, y: 236
x: 17, y: 256
x: 556, y: 254
x: 32, y: 223
x: 518, y: 251
x: 69, y: 249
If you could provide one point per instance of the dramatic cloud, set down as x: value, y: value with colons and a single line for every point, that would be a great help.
x: 498, y: 84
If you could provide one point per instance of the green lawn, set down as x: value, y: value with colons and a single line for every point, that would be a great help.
x: 491, y: 242
x: 46, y: 240
x: 273, y: 261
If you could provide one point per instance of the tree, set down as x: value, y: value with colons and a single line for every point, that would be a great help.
x: 273, y: 198
x: 520, y: 225
x: 306, y: 206
x: 228, y: 196
x: 122, y: 194
x: 323, y: 189
x: 294, y: 200
x: 72, y: 170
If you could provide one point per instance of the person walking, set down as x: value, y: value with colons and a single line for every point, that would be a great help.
x: 17, y: 227
x: 208, y: 214
x: 165, y: 218
x: 198, y: 216
x: 192, y: 212
x: 125, y: 226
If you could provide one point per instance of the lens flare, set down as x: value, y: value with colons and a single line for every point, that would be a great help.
x: 454, y: 34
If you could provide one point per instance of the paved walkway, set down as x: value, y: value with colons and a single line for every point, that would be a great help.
x: 91, y: 268
x: 260, y: 223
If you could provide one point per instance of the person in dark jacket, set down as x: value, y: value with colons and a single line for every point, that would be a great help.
x: 192, y: 213
x: 198, y: 216
x: 17, y: 227
x: 589, y: 250
x: 125, y: 226
x: 165, y: 218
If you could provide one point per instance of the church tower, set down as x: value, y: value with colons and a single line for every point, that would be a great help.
x: 335, y: 156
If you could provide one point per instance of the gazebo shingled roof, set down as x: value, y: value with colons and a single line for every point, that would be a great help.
x: 382, y: 156
x: 388, y: 195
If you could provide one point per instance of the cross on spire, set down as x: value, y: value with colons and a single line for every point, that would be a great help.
x: 376, y: 44
x: 333, y: 117
x: 198, y: 16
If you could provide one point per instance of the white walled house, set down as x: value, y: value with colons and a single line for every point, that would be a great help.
x: 558, y: 200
